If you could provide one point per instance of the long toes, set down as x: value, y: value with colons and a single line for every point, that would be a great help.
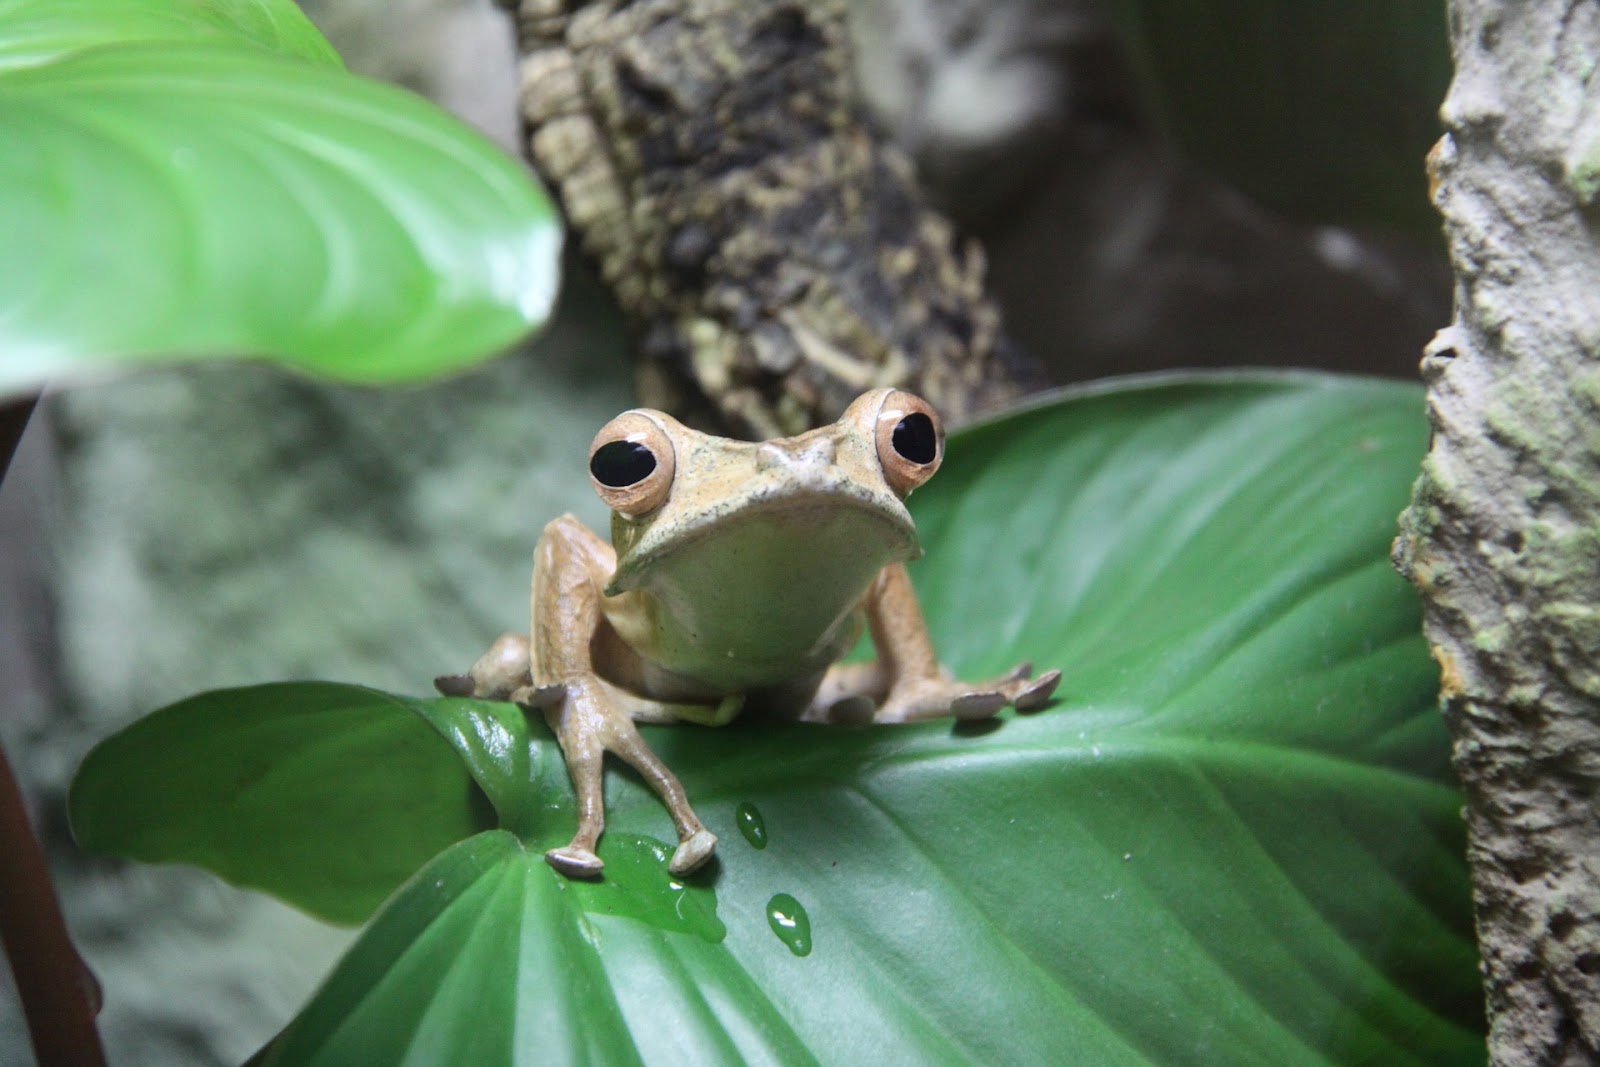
x: 692, y: 854
x: 1036, y: 693
x: 455, y: 685
x: 977, y: 705
x: 1019, y: 672
x: 575, y: 861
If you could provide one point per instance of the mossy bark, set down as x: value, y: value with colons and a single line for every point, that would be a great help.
x: 1503, y: 534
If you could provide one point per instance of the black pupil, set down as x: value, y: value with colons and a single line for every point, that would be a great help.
x: 620, y: 464
x: 915, y: 440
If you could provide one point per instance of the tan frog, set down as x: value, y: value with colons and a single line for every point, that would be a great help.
x: 741, y: 573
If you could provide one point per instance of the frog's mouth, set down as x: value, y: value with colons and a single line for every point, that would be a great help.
x: 832, y: 532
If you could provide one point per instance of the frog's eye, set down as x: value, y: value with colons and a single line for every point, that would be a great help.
x: 631, y: 464
x: 910, y: 441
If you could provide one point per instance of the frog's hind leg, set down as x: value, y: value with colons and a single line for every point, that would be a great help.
x: 571, y: 568
x: 914, y: 685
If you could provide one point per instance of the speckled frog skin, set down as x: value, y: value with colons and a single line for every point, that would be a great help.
x: 737, y: 574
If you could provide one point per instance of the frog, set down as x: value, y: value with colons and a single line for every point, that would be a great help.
x: 737, y: 577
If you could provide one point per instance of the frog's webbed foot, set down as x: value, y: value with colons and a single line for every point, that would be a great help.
x: 588, y: 722
x: 916, y: 698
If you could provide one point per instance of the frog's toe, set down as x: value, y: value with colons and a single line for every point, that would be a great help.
x: 1019, y: 672
x: 1033, y: 696
x: 575, y: 861
x: 693, y: 852
x: 454, y: 685
x: 983, y: 705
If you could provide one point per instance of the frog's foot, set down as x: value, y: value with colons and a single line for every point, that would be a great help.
x: 498, y: 674
x: 575, y: 861
x: 693, y: 852
x: 916, y: 699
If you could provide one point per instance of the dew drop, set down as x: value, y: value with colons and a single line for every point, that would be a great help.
x: 751, y: 824
x: 790, y: 922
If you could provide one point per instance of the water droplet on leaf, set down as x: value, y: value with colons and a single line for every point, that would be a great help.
x: 751, y: 825
x: 790, y: 922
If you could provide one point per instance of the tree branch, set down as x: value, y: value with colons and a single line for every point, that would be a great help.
x: 777, y: 258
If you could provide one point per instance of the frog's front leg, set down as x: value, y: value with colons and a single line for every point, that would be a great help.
x: 555, y: 672
x: 907, y: 682
x: 570, y: 569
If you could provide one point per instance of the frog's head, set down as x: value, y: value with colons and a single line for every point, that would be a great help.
x: 827, y: 503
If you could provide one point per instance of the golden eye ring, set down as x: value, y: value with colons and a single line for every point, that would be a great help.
x: 910, y: 439
x: 632, y: 463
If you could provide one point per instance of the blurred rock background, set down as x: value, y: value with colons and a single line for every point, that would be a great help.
x: 183, y: 530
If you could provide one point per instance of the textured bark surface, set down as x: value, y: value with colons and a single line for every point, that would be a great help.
x: 1503, y: 535
x: 776, y: 255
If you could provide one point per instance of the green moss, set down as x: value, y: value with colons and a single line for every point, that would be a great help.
x: 1492, y: 639
x: 1585, y: 388
x: 1583, y: 170
x: 1555, y: 558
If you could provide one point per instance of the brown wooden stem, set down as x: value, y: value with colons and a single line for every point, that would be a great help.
x: 56, y: 989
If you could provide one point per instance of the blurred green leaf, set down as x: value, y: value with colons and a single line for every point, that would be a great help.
x: 1319, y: 108
x: 1233, y: 841
x: 177, y: 181
x: 39, y: 31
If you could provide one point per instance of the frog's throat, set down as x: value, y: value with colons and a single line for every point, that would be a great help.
x: 642, y: 548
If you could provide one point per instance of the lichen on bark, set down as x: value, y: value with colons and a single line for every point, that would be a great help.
x: 1503, y: 534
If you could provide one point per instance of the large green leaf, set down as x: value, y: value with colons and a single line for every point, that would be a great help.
x: 180, y: 180
x: 329, y: 796
x: 1320, y: 108
x: 440, y: 977
x: 1233, y: 841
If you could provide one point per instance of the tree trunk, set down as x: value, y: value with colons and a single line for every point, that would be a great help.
x: 1503, y: 534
